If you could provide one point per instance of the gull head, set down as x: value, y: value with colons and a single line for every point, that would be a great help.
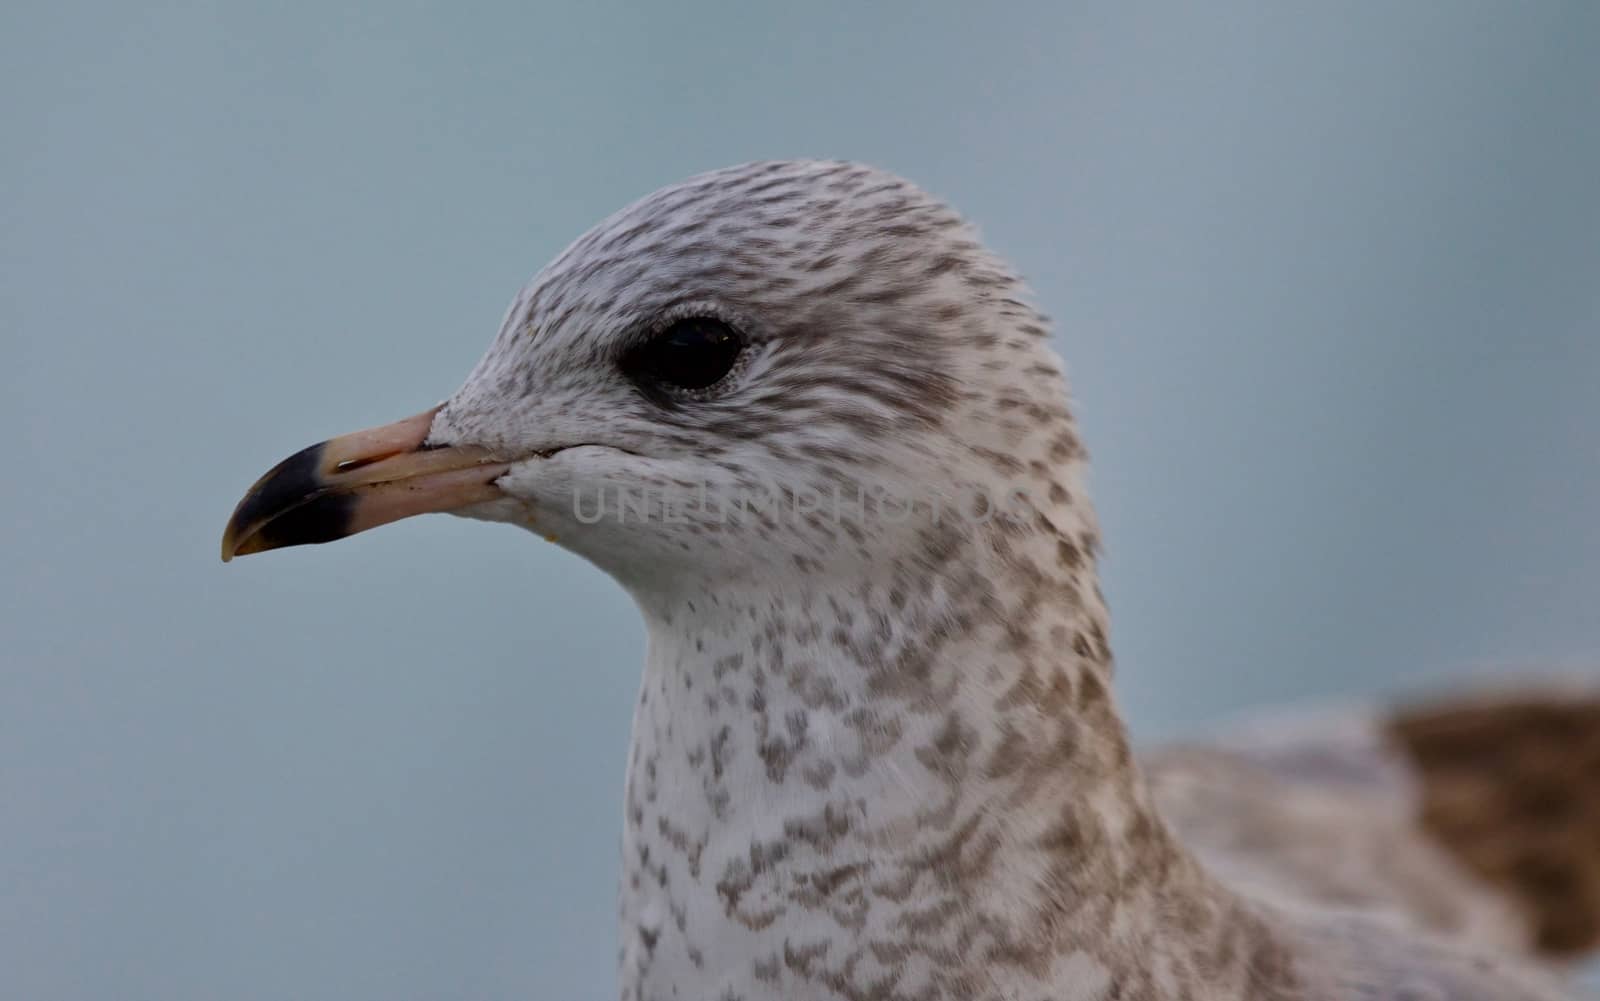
x: 802, y: 365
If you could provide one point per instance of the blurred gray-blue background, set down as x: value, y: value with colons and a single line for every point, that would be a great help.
x: 1327, y: 277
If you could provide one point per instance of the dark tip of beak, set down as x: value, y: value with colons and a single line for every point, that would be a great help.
x: 322, y: 519
x: 286, y: 485
x: 359, y: 481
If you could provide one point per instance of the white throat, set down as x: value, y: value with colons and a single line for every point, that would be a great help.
x: 917, y: 779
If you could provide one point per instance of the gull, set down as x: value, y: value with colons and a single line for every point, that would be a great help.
x: 817, y: 431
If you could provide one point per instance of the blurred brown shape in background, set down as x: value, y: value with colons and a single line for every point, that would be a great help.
x: 1512, y: 787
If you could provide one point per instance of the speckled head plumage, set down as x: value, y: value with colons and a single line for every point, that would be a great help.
x: 886, y: 351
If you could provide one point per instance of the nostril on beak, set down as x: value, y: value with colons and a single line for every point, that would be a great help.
x: 351, y: 465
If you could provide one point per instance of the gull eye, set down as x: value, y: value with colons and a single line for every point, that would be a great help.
x: 693, y: 353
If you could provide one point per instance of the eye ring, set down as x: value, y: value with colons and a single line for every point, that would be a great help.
x: 690, y: 355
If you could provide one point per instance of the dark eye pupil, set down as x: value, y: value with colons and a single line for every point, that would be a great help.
x: 690, y: 354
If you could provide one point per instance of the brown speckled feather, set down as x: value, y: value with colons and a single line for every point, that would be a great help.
x: 1472, y: 821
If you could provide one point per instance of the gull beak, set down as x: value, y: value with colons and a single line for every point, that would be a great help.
x: 359, y: 481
